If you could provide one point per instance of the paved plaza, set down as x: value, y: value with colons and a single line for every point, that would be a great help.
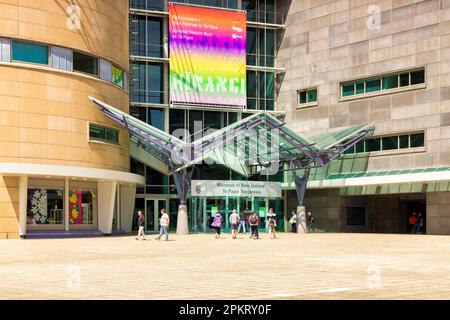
x: 310, y: 266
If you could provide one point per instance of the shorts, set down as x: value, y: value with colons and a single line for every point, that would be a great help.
x: 234, y: 226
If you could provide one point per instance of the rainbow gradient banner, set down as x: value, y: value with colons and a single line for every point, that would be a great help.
x: 207, y: 56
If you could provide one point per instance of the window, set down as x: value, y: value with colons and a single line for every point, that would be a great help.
x: 146, y: 36
x: 390, y: 82
x: 373, y: 144
x: 29, y: 52
x: 373, y: 85
x: 417, y: 77
x: 390, y: 143
x: 117, y: 76
x: 386, y: 143
x: 383, y: 83
x: 146, y: 82
x: 5, y: 50
x: 307, y: 96
x: 105, y: 70
x: 416, y: 140
x: 62, y: 58
x: 85, y: 63
x: 260, y: 90
x: 105, y: 134
x: 356, y: 216
x: 348, y: 89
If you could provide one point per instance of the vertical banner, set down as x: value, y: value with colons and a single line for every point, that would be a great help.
x: 207, y: 56
x: 75, y: 210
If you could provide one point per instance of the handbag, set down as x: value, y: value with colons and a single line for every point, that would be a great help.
x: 291, y: 221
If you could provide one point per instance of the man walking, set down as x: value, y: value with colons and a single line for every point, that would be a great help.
x: 311, y: 226
x: 141, y: 225
x: 242, y: 221
x: 234, y: 223
x: 164, y: 222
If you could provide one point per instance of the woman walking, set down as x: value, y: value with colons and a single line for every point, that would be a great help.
x: 217, y: 224
x: 271, y: 223
x: 293, y: 221
x: 253, y: 220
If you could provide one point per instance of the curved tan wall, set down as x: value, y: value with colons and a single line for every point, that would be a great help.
x: 103, y: 25
x: 44, y: 113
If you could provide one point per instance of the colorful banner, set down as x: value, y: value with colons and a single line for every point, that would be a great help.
x: 75, y: 209
x: 207, y: 56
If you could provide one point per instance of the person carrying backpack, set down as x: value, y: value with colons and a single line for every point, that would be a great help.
x: 271, y: 223
x: 253, y: 220
x: 234, y: 223
x: 217, y: 224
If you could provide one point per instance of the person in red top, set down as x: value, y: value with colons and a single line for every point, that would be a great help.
x: 253, y: 220
x: 412, y: 222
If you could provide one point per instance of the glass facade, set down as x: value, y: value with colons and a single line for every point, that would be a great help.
x: 149, y: 96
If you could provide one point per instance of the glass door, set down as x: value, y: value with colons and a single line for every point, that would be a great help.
x: 152, y: 213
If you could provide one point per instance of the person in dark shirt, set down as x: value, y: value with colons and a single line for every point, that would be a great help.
x: 311, y: 226
x: 141, y: 225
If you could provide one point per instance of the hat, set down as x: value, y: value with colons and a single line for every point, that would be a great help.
x: 234, y: 211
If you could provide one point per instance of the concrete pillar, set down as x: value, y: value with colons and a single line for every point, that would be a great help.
x: 23, y: 192
x: 106, y: 197
x: 182, y: 220
x: 127, y: 201
x: 301, y: 220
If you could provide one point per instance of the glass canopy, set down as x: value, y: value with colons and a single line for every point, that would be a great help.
x: 256, y: 144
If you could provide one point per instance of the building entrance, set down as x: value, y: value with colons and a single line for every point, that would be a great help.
x: 203, y: 208
x: 152, y: 213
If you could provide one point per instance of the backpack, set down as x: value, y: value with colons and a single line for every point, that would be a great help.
x: 253, y: 220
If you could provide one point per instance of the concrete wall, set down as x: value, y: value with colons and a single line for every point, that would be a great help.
x: 438, y: 213
x: 325, y: 206
x: 9, y: 207
x: 327, y: 42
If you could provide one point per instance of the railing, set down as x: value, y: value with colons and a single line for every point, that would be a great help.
x: 151, y: 5
x: 147, y: 96
x: 267, y: 17
x: 147, y: 50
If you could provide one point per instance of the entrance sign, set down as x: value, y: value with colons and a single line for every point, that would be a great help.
x: 207, y: 56
x: 222, y: 188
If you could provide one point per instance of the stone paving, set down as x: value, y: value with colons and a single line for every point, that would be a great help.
x: 310, y: 266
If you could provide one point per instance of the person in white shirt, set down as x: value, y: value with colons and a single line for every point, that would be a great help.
x: 164, y: 222
x: 234, y: 223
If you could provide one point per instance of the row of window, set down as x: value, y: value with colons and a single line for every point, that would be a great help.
x: 403, y: 79
x: 382, y: 83
x: 61, y: 58
x: 262, y: 11
x: 404, y: 141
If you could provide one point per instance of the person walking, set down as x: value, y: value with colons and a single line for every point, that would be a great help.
x: 412, y: 222
x: 164, y: 222
x: 253, y: 220
x: 234, y: 221
x: 271, y: 223
x: 311, y: 226
x: 419, y: 224
x: 242, y: 221
x: 217, y: 224
x: 293, y: 221
x: 141, y: 225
